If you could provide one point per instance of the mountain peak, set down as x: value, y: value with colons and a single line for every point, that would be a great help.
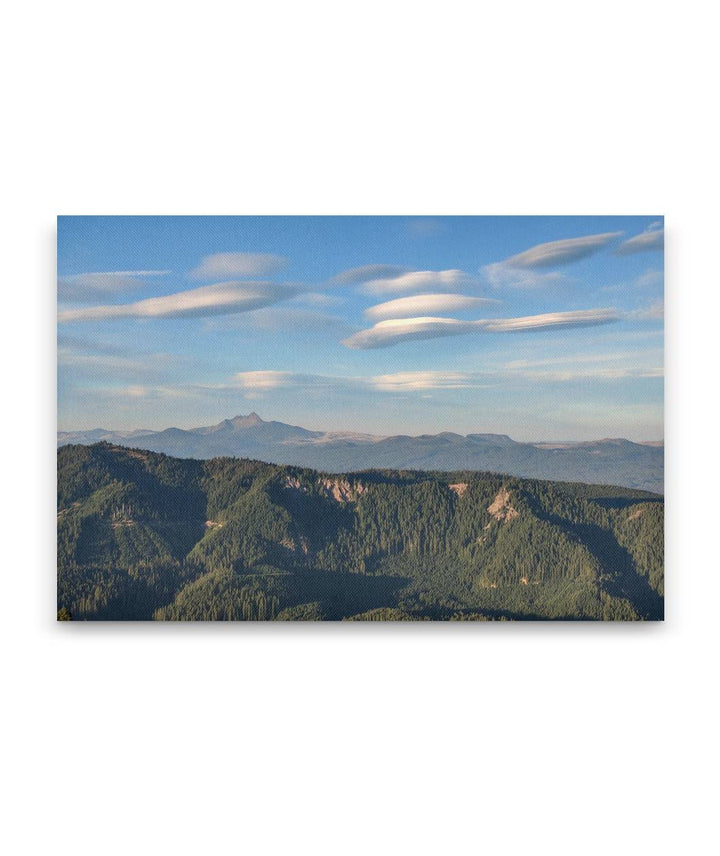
x: 492, y: 438
x: 609, y: 461
x: 231, y: 425
x: 246, y: 421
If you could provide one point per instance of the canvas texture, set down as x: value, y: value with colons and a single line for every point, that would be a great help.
x: 360, y: 418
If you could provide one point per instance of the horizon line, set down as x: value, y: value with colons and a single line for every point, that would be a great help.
x: 326, y: 431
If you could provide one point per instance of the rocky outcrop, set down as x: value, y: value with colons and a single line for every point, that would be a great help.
x: 294, y: 483
x: 340, y: 489
x: 501, y: 508
x: 297, y: 547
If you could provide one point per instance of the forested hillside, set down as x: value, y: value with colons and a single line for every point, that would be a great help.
x: 145, y: 536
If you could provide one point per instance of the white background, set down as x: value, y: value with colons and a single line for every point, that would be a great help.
x: 359, y: 739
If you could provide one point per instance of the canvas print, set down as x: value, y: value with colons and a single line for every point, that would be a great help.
x: 360, y: 418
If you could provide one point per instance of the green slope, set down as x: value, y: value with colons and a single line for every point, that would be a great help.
x: 142, y: 536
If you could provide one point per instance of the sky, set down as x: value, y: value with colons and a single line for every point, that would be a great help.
x: 543, y: 328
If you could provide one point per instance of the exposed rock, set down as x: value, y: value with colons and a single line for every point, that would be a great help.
x: 340, y: 489
x: 459, y: 488
x: 500, y: 508
x: 296, y: 547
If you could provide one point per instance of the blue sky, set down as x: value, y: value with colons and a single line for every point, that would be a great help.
x: 537, y: 327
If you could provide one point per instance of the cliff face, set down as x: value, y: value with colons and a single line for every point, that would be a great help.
x: 341, y: 490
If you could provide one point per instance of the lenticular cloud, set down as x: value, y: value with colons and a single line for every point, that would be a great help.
x: 223, y: 298
x: 391, y: 332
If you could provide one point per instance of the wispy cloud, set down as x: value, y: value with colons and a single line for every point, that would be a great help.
x: 219, y: 299
x: 653, y: 238
x: 421, y: 280
x: 261, y: 380
x: 319, y: 298
x: 650, y: 277
x: 633, y: 357
x: 237, y: 264
x: 557, y: 253
x: 604, y: 373
x: 84, y: 287
x: 500, y: 275
x: 96, y: 360
x: 115, y: 394
x: 291, y: 319
x: 438, y: 380
x: 653, y: 312
x: 265, y: 381
x: 353, y: 276
x: 392, y: 332
x: 259, y: 384
x: 646, y: 280
x: 82, y: 345
x: 424, y: 304
x: 424, y: 380
x: 613, y: 365
x: 554, y: 320
x: 98, y: 366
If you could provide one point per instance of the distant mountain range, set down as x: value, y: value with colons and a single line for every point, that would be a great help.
x: 609, y: 461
